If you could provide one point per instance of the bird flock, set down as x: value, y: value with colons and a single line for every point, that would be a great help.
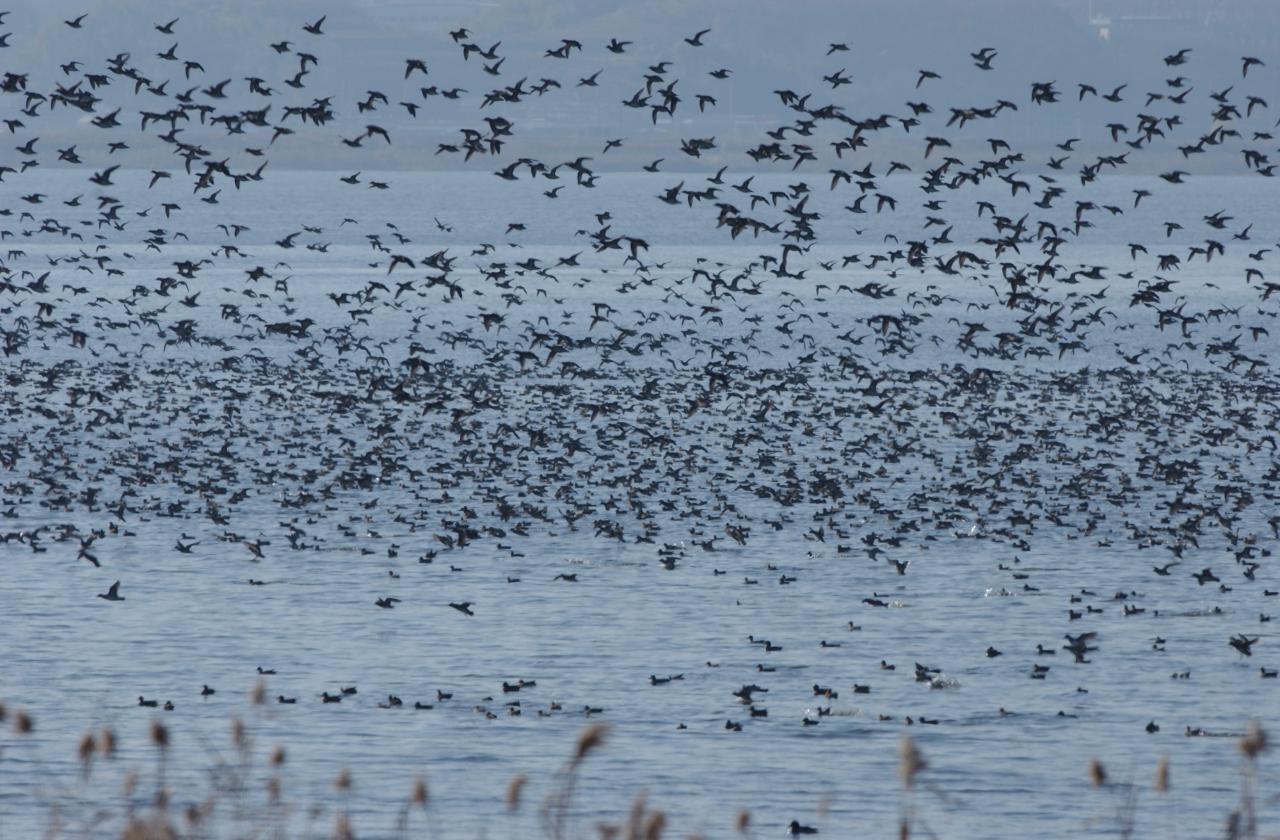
x: 916, y: 352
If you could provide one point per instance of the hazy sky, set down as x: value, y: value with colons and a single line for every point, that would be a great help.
x: 765, y: 46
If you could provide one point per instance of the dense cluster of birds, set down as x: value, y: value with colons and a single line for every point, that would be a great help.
x: 785, y: 396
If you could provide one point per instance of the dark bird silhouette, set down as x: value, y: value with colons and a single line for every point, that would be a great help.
x: 1204, y: 576
x: 1243, y: 643
x: 696, y: 40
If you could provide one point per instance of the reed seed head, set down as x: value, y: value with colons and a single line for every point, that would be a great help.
x: 194, y: 814
x: 1097, y: 773
x: 107, y: 742
x: 1254, y: 742
x: 910, y: 761
x: 588, y: 740
x: 85, y: 750
x: 654, y: 826
x: 514, y: 788
x: 159, y: 735
x: 419, y: 795
x: 155, y: 828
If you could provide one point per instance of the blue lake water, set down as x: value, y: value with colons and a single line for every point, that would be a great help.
x: 1008, y: 494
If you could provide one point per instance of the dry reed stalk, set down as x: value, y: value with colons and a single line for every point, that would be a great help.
x: 418, y: 798
x: 1243, y: 821
x: 910, y: 763
x: 84, y: 753
x: 152, y: 822
x: 558, y: 806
